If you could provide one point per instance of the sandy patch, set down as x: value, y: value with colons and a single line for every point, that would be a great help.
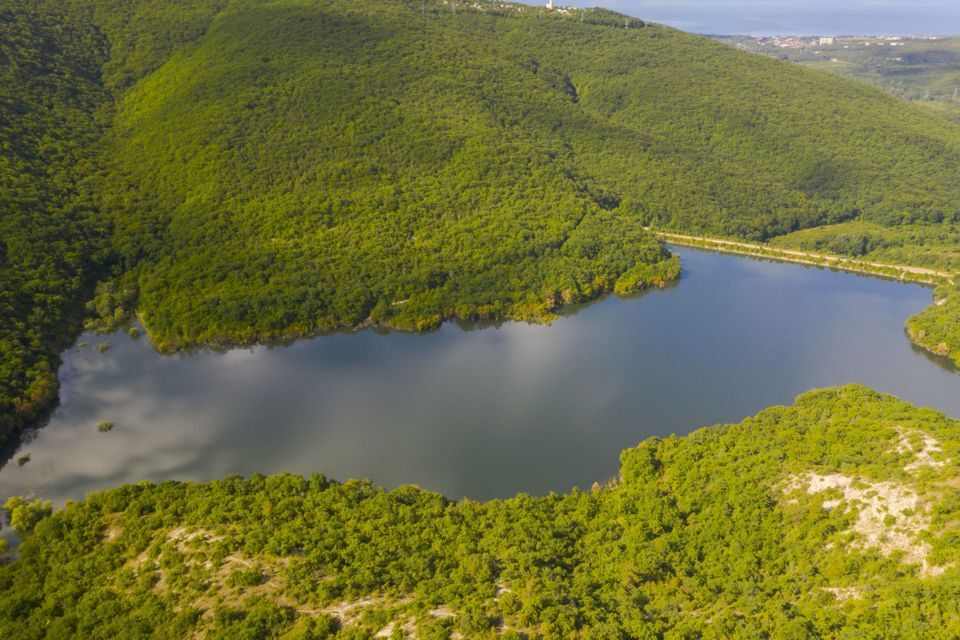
x: 924, y: 453
x: 889, y: 514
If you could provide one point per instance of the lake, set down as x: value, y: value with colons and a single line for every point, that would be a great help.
x: 487, y: 412
x: 793, y: 17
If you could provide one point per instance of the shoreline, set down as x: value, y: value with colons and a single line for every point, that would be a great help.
x: 902, y: 273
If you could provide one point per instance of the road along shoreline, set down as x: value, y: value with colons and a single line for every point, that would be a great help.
x: 906, y: 273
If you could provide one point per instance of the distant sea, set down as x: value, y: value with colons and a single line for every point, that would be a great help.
x: 793, y: 17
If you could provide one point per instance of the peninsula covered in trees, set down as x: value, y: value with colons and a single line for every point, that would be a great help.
x: 832, y: 518
x: 243, y: 170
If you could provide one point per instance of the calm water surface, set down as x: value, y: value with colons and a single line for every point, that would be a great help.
x: 486, y: 412
x: 792, y: 17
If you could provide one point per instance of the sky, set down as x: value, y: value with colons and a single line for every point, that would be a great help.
x: 794, y: 17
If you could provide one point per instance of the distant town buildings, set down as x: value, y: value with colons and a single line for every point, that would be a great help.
x: 812, y: 42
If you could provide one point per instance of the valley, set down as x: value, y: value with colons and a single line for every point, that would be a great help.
x: 253, y: 251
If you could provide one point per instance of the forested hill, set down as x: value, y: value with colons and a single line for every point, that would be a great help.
x: 241, y: 170
x: 62, y: 63
x: 50, y: 238
x: 307, y: 165
x: 833, y: 518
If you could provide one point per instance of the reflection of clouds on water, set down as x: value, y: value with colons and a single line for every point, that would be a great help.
x: 392, y: 421
x: 483, y: 412
x: 153, y: 438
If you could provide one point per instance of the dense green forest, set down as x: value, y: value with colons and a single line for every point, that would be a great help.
x: 836, y: 517
x: 309, y: 165
x: 243, y: 170
x: 60, y: 71
x: 51, y: 240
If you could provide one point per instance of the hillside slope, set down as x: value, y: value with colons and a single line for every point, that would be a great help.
x: 62, y: 64
x: 307, y: 165
x: 922, y: 69
x: 49, y: 235
x: 835, y: 517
